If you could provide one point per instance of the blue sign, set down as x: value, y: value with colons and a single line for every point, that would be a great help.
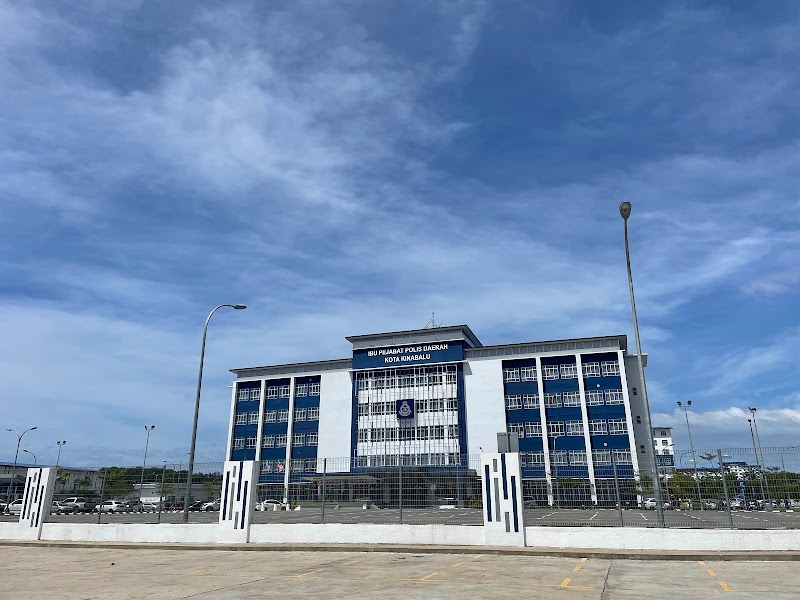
x: 402, y: 356
x: 405, y: 409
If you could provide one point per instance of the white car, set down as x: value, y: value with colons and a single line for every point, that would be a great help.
x: 113, y: 506
x: 15, y: 507
x: 270, y: 505
x: 649, y: 504
x: 211, y: 506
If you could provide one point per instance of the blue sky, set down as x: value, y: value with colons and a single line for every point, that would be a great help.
x: 347, y: 168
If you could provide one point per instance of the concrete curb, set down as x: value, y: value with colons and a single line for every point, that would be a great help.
x: 602, y: 553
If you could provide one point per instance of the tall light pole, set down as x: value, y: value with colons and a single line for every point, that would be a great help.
x: 33, y: 455
x: 148, y: 429
x: 197, y: 409
x: 758, y: 462
x: 180, y: 470
x: 625, y: 213
x: 760, y: 450
x: 60, y: 443
x: 691, y: 446
x: 16, y: 456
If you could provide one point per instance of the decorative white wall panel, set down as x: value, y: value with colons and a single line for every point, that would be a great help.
x: 335, y: 417
x: 503, y: 522
x: 238, y: 495
x: 485, y: 404
x: 36, y: 501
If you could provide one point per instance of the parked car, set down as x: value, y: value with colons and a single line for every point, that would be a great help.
x: 197, y: 505
x: 174, y: 506
x: 270, y: 504
x: 79, y: 504
x: 113, y: 506
x: 709, y: 504
x: 736, y: 503
x: 15, y: 507
x: 649, y: 504
x: 57, y: 508
x: 212, y: 506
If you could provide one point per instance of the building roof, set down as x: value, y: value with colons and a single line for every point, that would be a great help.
x: 463, y: 330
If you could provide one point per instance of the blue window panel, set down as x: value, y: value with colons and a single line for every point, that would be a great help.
x: 570, y: 442
x: 304, y: 452
x: 570, y: 413
x: 537, y: 472
x: 530, y: 444
x: 274, y: 428
x: 273, y: 453
x: 521, y: 416
x: 577, y: 471
x: 270, y: 478
x: 614, y: 411
x: 521, y: 387
x: 607, y: 471
x: 306, y: 402
x: 305, y: 426
x: 616, y: 442
x: 243, y: 454
x: 245, y: 430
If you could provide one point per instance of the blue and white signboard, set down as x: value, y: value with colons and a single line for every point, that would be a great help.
x: 403, y: 356
x: 405, y: 409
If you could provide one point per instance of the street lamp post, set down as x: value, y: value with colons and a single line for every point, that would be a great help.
x: 691, y: 445
x: 180, y: 470
x: 148, y: 429
x: 16, y: 456
x: 197, y: 409
x: 60, y: 443
x: 33, y: 455
x: 760, y: 450
x: 625, y: 213
x: 758, y: 462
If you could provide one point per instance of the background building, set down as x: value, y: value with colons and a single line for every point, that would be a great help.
x: 427, y: 399
x: 665, y: 449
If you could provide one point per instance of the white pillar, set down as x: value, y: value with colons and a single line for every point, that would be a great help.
x: 628, y: 418
x: 586, y: 439
x: 260, y: 432
x: 234, y: 402
x: 545, y: 442
x: 289, y: 431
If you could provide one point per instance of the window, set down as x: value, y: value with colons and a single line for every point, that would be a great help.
x: 283, y: 416
x: 241, y: 418
x: 363, y: 410
x: 406, y: 434
x: 280, y: 441
x: 569, y: 371
x: 664, y: 443
x: 253, y: 418
x: 572, y: 398
x: 272, y: 391
x: 623, y: 457
x: 301, y: 389
x: 437, y: 432
x: 313, y: 414
x: 598, y: 427
x: 270, y: 416
x: 601, y: 457
x: 533, y: 429
x: 377, y: 408
x: 594, y: 397
x: 391, y: 434
x: 591, y: 369
x: 268, y: 441
x: 299, y: 439
x: 299, y: 414
x: 529, y: 401
x: 452, y: 432
x: 614, y: 397
x: 255, y: 393
x: 311, y: 464
x: 552, y: 400
x: 617, y: 427
x: 450, y: 378
x: 238, y: 443
x: 452, y: 404
x: 422, y: 432
x: 283, y: 392
x: 435, y: 405
x: 528, y: 373
x: 558, y: 458
x: 244, y: 394
x: 555, y: 429
x: 610, y: 368
x: 297, y: 464
x: 513, y: 402
x: 312, y: 439
x: 251, y: 442
x: 313, y: 389
x: 531, y: 459
x: 378, y: 435
x: 549, y: 371
x: 510, y: 374
x: 577, y: 457
x: 363, y: 435
x: 517, y: 428
x: 574, y: 427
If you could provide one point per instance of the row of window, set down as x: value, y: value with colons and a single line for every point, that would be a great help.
x: 405, y: 378
x: 570, y: 428
x: 278, y: 416
x: 575, y: 457
x: 409, y: 460
x: 409, y: 434
x: 298, y: 465
x: 277, y: 441
x: 593, y: 398
x: 569, y: 371
x: 420, y: 406
x: 280, y: 391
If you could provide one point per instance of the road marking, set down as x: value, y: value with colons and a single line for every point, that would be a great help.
x: 352, y: 562
x: 725, y: 586
x: 304, y: 575
x: 456, y: 565
x: 426, y: 579
x: 710, y: 572
x: 584, y: 559
x: 700, y: 562
x: 565, y: 583
x: 594, y: 515
x: 576, y: 569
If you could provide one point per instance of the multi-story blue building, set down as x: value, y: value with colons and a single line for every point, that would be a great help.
x: 427, y: 399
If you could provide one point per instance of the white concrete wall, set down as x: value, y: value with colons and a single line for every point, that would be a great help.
x: 131, y: 532
x: 335, y: 417
x: 337, y: 533
x: 486, y: 411
x: 646, y: 538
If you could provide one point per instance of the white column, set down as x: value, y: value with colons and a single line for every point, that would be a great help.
x: 629, y: 420
x: 545, y: 442
x: 289, y: 430
x: 260, y: 432
x: 586, y: 439
x: 234, y: 401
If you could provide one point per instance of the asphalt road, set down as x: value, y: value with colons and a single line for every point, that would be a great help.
x: 117, y: 574
x: 467, y: 516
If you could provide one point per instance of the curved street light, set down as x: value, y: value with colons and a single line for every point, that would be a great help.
x: 625, y: 213
x: 148, y: 429
x: 685, y: 408
x: 60, y: 443
x: 197, y: 408
x: 16, y: 456
x: 33, y: 455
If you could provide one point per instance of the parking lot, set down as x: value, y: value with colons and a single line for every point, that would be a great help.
x: 471, y: 516
x: 112, y: 574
